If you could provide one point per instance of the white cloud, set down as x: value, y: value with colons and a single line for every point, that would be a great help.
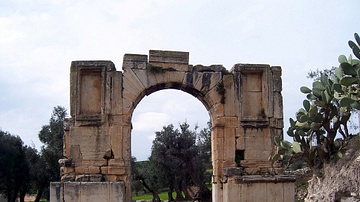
x: 8, y: 35
x: 149, y: 121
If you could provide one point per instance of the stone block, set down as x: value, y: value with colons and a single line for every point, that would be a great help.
x: 135, y: 61
x: 75, y: 153
x: 94, y: 192
x: 233, y: 171
x: 81, y: 169
x: 112, y: 170
x: 89, y: 178
x: 126, y: 149
x: 205, y: 81
x: 232, y: 122
x: 71, y: 191
x: 218, y: 168
x: 252, y: 105
x: 174, y: 57
x: 67, y: 170
x: 117, y: 192
x: 175, y: 77
x: 146, y: 77
x: 232, y: 191
x: 216, y: 111
x: 116, y: 120
x: 289, y: 191
x: 94, y: 169
x: 87, y: 191
x: 229, y: 147
x: 217, y: 78
x: 253, y: 192
x: 258, y: 188
x: 95, y: 162
x: 132, y: 95
x: 93, y: 147
x: 104, y: 170
x: 276, y: 123
x: 278, y: 106
x: 160, y: 79
x: 66, y: 141
x: 56, y: 192
x: 68, y: 177
x: 169, y: 67
x: 116, y: 138
x: 188, y: 79
x: 274, y: 191
x: 116, y: 93
x: 276, y: 76
x: 249, y: 67
x: 212, y: 97
x: 232, y: 104
x: 116, y: 162
x: 217, y: 191
x: 114, y: 178
x: 130, y: 79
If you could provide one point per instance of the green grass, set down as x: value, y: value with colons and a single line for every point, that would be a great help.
x: 162, y: 195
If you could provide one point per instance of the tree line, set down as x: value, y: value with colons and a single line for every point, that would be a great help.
x: 24, y: 169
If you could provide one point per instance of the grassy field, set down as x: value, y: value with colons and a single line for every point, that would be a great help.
x: 162, y: 195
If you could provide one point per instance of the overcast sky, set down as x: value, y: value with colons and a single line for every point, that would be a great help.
x: 40, y: 38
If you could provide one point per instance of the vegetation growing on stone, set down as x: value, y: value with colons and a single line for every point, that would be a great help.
x: 220, y: 88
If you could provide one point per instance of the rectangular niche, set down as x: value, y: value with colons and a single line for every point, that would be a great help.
x: 254, y: 95
x: 90, y: 92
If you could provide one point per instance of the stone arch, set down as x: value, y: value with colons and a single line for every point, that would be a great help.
x: 244, y: 104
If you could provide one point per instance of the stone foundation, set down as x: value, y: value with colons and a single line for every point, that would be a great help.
x: 278, y: 188
x: 87, y: 191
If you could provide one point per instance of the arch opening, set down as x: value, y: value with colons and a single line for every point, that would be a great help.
x: 156, y: 113
x: 161, y: 108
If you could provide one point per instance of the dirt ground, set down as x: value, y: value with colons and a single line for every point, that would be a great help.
x: 340, y: 180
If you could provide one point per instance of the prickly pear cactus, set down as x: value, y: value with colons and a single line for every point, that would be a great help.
x: 321, y: 125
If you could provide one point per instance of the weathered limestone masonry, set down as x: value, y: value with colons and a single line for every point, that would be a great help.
x: 245, y: 107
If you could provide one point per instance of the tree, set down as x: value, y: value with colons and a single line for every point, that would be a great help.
x: 179, y: 158
x: 166, y: 165
x: 32, y: 158
x: 204, y: 157
x: 14, y: 169
x: 52, y: 137
x: 176, y: 151
x: 320, y: 130
x: 145, y: 174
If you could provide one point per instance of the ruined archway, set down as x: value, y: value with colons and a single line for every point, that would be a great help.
x: 245, y: 107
